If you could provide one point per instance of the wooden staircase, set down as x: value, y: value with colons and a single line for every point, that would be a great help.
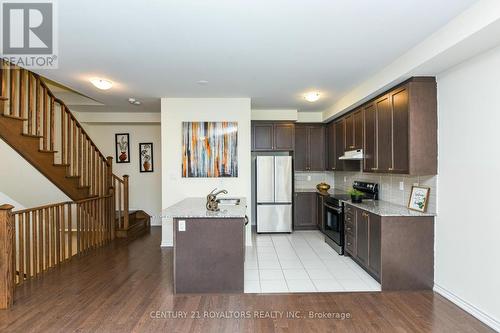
x: 139, y: 223
x: 41, y: 128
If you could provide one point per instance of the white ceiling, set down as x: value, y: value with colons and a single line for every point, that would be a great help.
x: 271, y: 51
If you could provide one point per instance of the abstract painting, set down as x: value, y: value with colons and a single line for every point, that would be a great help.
x: 122, y: 148
x: 146, y: 157
x: 209, y: 149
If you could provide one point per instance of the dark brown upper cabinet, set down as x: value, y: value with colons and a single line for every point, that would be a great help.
x: 310, y: 147
x: 354, y: 130
x: 272, y: 136
x: 400, y: 130
x: 331, y: 162
x: 339, y: 144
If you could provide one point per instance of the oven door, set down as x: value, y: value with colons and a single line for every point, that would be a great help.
x: 334, y: 225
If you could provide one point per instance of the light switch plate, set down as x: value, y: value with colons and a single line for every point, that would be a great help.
x: 309, y: 178
x: 345, y: 179
x: 182, y: 225
x: 401, y: 186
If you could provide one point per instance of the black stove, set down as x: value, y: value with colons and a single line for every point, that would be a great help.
x: 333, y: 222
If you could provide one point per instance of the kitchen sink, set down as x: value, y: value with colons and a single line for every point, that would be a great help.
x: 229, y: 201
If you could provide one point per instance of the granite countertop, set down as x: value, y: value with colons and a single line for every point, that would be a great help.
x: 195, y: 207
x: 384, y: 208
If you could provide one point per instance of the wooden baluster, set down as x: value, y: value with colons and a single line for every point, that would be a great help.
x: 20, y: 234
x: 62, y: 232
x: 74, y: 144
x: 69, y: 151
x: 125, y: 201
x: 57, y: 233
x: 120, y: 212
x: 22, y: 93
x: 45, y: 117
x: 27, y: 244
x: 13, y: 92
x: 31, y: 101
x: 63, y: 135
x: 7, y: 253
x: 84, y: 160
x: 3, y: 82
x: 70, y: 230
x: 40, y: 241
x: 52, y: 239
x: 38, y: 110
x: 80, y: 166
x: 78, y: 229
x: 34, y: 237
x: 53, y: 123
x: 46, y: 238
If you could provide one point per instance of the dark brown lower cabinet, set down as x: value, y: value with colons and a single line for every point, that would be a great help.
x: 305, y: 211
x: 398, y: 251
x: 320, y: 209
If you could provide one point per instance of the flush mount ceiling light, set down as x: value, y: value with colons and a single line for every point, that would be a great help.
x: 101, y: 83
x: 202, y: 82
x: 133, y: 101
x: 312, y: 96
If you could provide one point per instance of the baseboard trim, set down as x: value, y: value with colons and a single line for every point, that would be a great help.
x: 466, y: 306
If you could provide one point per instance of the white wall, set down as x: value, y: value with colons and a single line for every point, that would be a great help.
x: 175, y: 188
x: 144, y: 188
x: 22, y: 184
x: 467, y: 244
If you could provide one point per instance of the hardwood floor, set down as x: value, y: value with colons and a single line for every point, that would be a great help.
x: 128, y: 288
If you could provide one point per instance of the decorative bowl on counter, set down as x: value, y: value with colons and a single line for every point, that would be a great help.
x: 323, y: 187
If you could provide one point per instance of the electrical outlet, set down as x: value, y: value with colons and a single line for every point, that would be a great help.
x: 182, y: 225
x: 309, y: 178
x: 345, y: 179
x: 401, y: 186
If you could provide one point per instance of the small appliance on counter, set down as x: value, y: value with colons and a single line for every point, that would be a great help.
x: 333, y: 223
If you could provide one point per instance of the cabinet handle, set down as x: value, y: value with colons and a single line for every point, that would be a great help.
x: 374, y: 169
x: 390, y: 169
x: 364, y: 214
x: 333, y: 168
x: 349, y: 244
x: 351, y: 146
x: 348, y: 229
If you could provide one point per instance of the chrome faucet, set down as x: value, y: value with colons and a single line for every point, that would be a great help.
x: 212, y: 203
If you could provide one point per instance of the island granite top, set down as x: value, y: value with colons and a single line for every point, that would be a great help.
x: 195, y: 208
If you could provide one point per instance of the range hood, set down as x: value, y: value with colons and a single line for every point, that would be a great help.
x: 352, y: 155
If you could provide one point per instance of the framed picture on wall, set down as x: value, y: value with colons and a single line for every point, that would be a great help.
x: 419, y: 198
x: 209, y: 149
x: 122, y: 148
x: 146, y: 157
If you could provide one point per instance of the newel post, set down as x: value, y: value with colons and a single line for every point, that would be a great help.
x: 6, y: 256
x: 125, y: 202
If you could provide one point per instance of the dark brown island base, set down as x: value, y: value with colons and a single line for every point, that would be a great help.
x: 209, y: 247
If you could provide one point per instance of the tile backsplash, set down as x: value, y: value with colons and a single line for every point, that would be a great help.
x: 389, y: 185
x: 309, y: 180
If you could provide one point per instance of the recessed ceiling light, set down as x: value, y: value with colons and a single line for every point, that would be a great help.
x: 202, y: 82
x: 101, y: 83
x: 312, y: 96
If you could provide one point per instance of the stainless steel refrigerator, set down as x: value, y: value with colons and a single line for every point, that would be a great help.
x: 274, y: 193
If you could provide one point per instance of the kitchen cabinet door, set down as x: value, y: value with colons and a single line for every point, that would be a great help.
x: 358, y: 129
x: 331, y: 158
x: 284, y: 136
x: 301, y: 148
x: 349, y: 132
x: 370, y: 139
x: 400, y: 131
x: 263, y: 136
x: 316, y: 148
x: 362, y: 223
x: 384, y: 134
x: 374, y: 259
x: 339, y: 144
x: 305, y: 211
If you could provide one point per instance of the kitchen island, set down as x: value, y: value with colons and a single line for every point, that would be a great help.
x: 209, y: 247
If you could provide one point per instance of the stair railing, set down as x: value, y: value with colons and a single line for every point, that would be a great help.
x: 26, y: 96
x: 35, y: 240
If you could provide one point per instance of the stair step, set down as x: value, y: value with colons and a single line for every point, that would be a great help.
x: 32, y: 136
x: 61, y: 165
x: 47, y: 151
x: 75, y: 177
x: 14, y: 117
x: 83, y: 187
x: 3, y: 98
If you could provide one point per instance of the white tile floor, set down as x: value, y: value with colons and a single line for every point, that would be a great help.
x: 301, y: 262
